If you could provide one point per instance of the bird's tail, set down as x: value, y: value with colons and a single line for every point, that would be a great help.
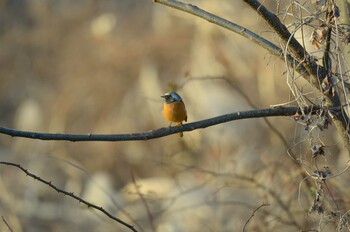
x: 181, y: 133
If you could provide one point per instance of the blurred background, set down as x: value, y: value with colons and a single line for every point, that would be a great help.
x: 100, y: 66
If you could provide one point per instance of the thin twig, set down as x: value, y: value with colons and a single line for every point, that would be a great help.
x: 70, y: 194
x: 105, y: 191
x: 144, y: 202
x: 252, y: 215
x: 284, y: 206
x: 8, y: 226
x: 259, y: 113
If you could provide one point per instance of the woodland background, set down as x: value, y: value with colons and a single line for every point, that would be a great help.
x: 100, y: 66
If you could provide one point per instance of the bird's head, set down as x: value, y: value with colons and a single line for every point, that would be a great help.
x: 171, y: 97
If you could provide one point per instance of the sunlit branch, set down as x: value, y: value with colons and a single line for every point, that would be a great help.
x: 259, y: 113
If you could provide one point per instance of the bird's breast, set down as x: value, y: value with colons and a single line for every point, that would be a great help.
x: 175, y: 111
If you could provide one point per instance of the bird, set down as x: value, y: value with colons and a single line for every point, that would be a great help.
x: 174, y: 109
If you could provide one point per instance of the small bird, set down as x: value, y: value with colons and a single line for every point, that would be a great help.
x: 174, y: 109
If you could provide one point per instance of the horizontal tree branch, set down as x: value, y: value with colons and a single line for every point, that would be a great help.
x: 153, y: 134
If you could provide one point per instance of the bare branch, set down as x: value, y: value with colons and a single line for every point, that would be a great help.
x: 194, y: 10
x: 317, y: 72
x: 70, y: 194
x: 261, y: 41
x: 144, y: 202
x: 8, y: 226
x: 268, y: 112
x: 252, y: 215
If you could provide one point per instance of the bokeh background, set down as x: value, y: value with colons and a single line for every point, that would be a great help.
x: 100, y: 66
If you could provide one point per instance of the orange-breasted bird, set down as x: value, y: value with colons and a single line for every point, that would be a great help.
x: 174, y: 109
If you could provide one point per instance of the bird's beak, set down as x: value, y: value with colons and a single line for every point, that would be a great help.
x: 163, y: 96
